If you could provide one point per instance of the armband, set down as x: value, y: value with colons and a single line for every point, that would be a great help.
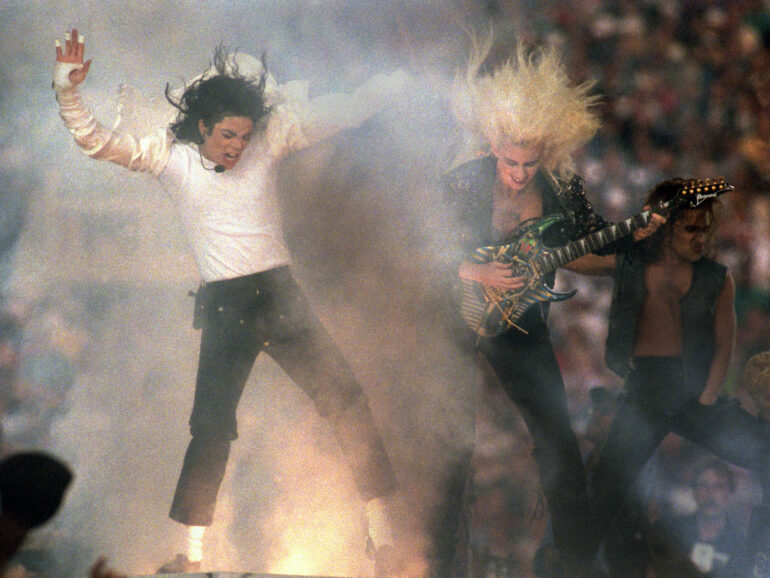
x: 61, y: 75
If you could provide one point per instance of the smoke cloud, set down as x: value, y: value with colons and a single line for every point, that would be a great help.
x: 102, y: 254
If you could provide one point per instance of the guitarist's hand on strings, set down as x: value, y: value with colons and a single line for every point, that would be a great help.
x: 492, y: 274
x: 652, y: 227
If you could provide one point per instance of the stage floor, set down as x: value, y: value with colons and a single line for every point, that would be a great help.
x: 237, y: 575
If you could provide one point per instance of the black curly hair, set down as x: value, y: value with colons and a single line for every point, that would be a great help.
x: 213, y: 97
x: 665, y: 191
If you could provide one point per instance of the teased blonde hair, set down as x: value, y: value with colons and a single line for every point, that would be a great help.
x: 527, y: 100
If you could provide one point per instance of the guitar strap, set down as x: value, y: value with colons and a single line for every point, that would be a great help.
x: 574, y: 206
x: 558, y: 190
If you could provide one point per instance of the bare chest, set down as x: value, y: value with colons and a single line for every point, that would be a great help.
x: 667, y: 284
x: 659, y: 326
x: 510, y: 211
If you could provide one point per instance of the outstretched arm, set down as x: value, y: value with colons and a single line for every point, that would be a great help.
x: 148, y: 154
x: 301, y: 123
x: 332, y: 113
x: 592, y: 264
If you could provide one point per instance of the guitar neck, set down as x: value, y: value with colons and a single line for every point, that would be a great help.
x: 555, y: 258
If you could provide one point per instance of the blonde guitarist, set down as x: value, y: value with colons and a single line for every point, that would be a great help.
x: 532, y: 119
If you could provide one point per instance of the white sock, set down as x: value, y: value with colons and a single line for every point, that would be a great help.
x: 378, y: 523
x: 195, y: 543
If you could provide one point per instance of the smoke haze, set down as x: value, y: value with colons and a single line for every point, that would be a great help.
x: 102, y: 253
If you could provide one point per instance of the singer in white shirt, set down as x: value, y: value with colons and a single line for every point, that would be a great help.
x: 218, y: 162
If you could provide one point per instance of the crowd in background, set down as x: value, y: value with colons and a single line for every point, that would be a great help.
x: 685, y: 88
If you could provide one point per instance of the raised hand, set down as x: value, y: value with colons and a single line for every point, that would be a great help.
x: 74, y: 47
x: 656, y: 221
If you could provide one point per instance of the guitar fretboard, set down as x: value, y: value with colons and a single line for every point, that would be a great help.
x: 552, y: 260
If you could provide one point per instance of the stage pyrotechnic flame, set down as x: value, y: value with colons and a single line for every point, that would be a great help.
x: 321, y: 530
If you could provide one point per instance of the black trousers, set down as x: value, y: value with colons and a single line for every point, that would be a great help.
x: 527, y: 369
x: 656, y: 404
x: 529, y: 372
x: 268, y: 312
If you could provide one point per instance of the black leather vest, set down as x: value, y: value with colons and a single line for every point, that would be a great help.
x: 698, y: 307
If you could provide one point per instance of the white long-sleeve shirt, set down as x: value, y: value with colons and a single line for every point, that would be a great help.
x: 232, y: 219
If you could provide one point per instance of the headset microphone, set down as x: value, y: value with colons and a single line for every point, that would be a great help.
x: 216, y: 169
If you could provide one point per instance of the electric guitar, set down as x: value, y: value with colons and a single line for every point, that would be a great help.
x: 490, y: 311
